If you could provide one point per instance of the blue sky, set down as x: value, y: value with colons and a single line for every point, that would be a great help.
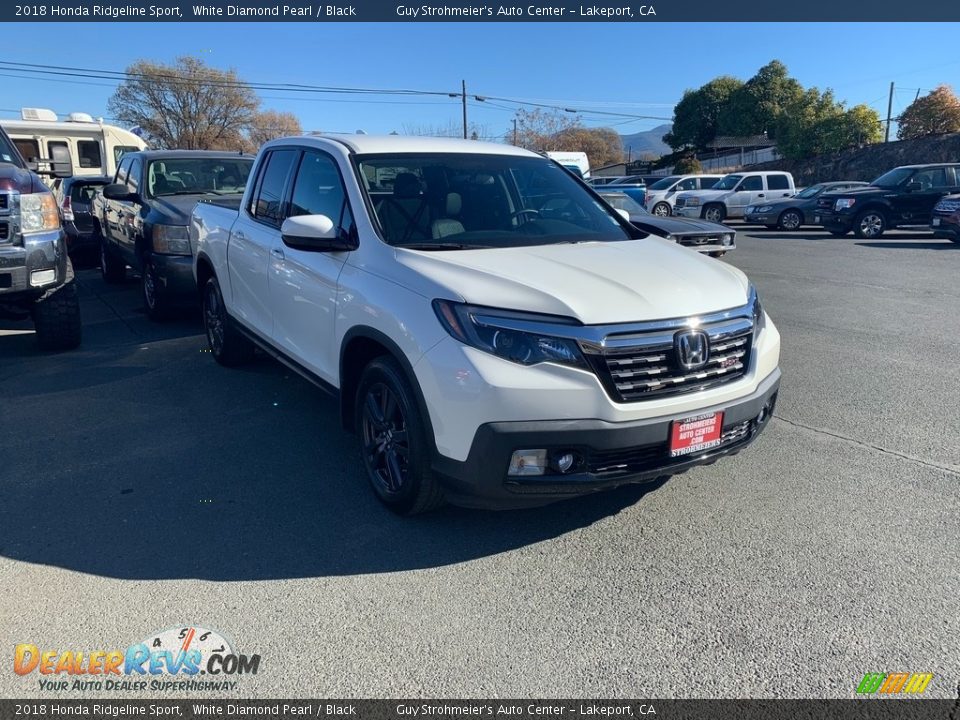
x: 629, y: 68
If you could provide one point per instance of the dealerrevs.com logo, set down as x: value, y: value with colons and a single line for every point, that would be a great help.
x: 177, y: 659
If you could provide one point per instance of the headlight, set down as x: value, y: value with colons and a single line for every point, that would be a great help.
x: 38, y: 212
x: 728, y: 239
x: 765, y: 208
x: 844, y: 203
x: 693, y: 202
x: 481, y: 328
x: 171, y: 240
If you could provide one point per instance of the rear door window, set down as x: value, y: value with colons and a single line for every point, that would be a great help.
x: 778, y: 182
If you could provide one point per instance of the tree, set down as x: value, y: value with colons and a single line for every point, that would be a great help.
x: 755, y: 107
x: 185, y: 105
x: 816, y: 124
x: 453, y: 129
x: 933, y: 114
x: 541, y: 130
x: 269, y: 125
x: 603, y: 146
x: 696, y: 116
x: 687, y: 166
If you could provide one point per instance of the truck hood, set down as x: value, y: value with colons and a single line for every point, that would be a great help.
x: 595, y: 283
x: 855, y: 192
x: 677, y: 225
x: 13, y: 177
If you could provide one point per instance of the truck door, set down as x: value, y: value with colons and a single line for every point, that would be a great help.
x: 748, y: 192
x: 303, y: 284
x: 111, y: 208
x: 129, y: 220
x: 255, y: 235
x: 923, y: 191
x: 778, y: 187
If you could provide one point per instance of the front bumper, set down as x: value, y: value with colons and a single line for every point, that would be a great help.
x: 831, y: 220
x: 705, y: 248
x: 175, y: 281
x: 948, y: 227
x: 615, y: 453
x: 687, y: 211
x: 761, y: 218
x: 40, y: 253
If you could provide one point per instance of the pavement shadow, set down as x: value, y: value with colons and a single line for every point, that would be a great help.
x: 897, y: 245
x: 183, y: 469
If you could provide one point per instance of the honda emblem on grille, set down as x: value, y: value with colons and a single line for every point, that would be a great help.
x: 693, y: 349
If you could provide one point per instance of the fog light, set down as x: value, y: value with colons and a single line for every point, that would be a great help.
x: 564, y: 462
x: 528, y: 462
x: 42, y: 277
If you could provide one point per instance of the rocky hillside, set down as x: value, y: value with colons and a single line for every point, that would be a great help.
x: 869, y: 162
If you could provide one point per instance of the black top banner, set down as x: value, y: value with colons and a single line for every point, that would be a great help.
x: 852, y: 11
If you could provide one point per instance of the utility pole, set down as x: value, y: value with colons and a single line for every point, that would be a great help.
x: 463, y: 96
x: 886, y: 135
x: 514, y: 131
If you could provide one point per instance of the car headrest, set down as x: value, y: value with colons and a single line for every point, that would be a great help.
x: 454, y: 203
x: 406, y: 185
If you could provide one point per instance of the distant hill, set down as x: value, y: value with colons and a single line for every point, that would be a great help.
x: 647, y: 141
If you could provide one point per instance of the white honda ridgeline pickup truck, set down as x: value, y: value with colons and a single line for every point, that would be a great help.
x: 496, y: 334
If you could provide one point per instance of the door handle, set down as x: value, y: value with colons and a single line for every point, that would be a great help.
x: 239, y: 235
x: 277, y: 253
x: 760, y: 195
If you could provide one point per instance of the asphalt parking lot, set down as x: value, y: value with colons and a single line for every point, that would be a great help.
x: 144, y: 487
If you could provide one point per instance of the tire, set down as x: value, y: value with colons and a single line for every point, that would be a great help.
x: 662, y: 209
x: 838, y: 233
x: 718, y: 254
x: 56, y: 316
x: 158, y: 309
x: 394, y: 448
x: 228, y: 347
x: 870, y: 224
x: 112, y: 270
x: 772, y: 227
x: 714, y: 213
x: 790, y: 220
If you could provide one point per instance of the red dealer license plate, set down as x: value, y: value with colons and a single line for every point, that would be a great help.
x: 694, y: 434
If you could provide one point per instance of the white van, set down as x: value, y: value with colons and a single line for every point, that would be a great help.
x: 576, y: 162
x: 730, y: 197
x: 89, y: 146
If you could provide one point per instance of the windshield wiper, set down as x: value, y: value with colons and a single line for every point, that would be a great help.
x: 440, y: 246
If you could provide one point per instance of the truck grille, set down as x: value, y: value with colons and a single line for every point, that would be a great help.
x: 4, y: 202
x: 4, y: 231
x: 5, y: 216
x: 641, y: 366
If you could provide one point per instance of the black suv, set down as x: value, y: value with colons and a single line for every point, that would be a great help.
x: 36, y: 276
x: 904, y: 196
x: 79, y: 223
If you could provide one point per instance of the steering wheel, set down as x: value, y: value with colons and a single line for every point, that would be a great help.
x: 525, y: 211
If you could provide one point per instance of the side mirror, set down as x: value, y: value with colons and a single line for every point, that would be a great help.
x: 315, y: 233
x: 913, y: 186
x: 117, y: 191
x: 624, y: 214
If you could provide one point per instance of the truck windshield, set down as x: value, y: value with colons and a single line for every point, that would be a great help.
x: 449, y: 201
x: 7, y: 152
x: 197, y: 176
